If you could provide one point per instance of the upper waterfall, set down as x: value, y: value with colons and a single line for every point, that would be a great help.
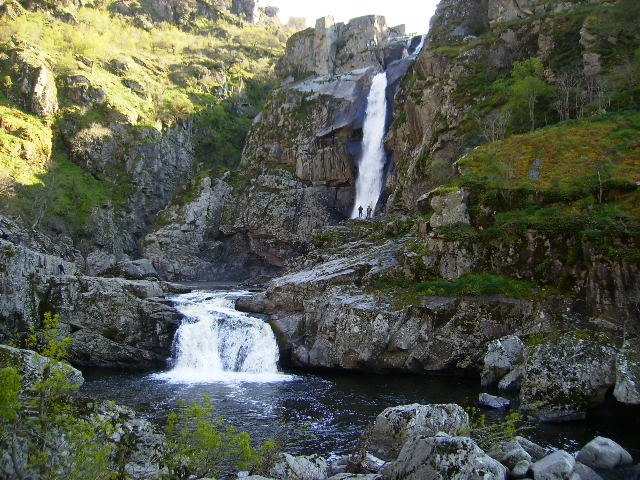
x: 217, y: 343
x: 371, y: 164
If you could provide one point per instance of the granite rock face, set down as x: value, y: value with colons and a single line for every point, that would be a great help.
x: 299, y: 163
x: 442, y: 456
x: 35, y: 81
x: 564, y: 377
x: 114, y: 322
x: 156, y: 165
x: 395, y: 425
x: 627, y: 389
x: 335, y: 48
x: 428, y: 135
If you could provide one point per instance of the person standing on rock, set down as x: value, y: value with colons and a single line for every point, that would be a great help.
x: 360, y: 211
x: 369, y: 210
x: 61, y: 268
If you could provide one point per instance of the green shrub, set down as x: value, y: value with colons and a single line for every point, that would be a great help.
x: 202, y: 444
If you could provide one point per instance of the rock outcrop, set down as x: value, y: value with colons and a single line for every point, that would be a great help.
x: 442, y: 456
x: 298, y: 169
x: 35, y: 82
x: 336, y: 48
x: 395, y: 425
x: 112, y: 321
x: 31, y: 367
x: 153, y: 166
x: 564, y: 377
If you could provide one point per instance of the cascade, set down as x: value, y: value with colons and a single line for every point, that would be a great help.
x: 420, y: 45
x: 372, y: 160
x: 217, y: 343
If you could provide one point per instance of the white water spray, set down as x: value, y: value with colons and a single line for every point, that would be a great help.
x: 217, y: 343
x: 371, y: 165
x: 420, y: 45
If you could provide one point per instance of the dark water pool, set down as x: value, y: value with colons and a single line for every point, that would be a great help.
x: 325, y: 413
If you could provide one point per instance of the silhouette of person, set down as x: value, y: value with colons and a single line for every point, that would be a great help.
x: 360, y: 211
x: 61, y: 268
x: 369, y: 210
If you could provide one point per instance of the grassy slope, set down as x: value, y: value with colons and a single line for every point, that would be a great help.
x: 205, y: 73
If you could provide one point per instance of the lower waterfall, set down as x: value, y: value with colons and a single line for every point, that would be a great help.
x: 217, y: 343
x: 371, y: 165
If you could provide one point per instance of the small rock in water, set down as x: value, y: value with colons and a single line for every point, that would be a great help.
x: 520, y: 469
x: 557, y: 466
x: 492, y: 401
x: 604, y: 453
x: 536, y: 451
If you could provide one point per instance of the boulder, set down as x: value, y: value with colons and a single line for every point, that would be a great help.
x: 35, y: 81
x: 627, y: 389
x: 510, y: 454
x: 395, y: 425
x: 557, y: 466
x: 566, y: 376
x: 31, y: 366
x: 288, y: 467
x: 502, y: 356
x: 252, y: 304
x: 533, y: 449
x: 141, y: 269
x: 511, y: 381
x: 354, y: 476
x: 440, y: 457
x: 115, y: 322
x: 449, y: 208
x: 80, y: 90
x: 520, y: 469
x: 603, y: 453
x: 492, y: 401
x: 585, y: 473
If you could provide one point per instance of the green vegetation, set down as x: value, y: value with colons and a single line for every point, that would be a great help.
x: 48, y: 340
x: 215, y: 71
x: 474, y: 284
x: 491, y: 435
x: 64, y: 439
x: 202, y: 444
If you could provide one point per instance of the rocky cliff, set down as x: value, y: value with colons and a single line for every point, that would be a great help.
x: 530, y: 236
x: 452, y: 98
x: 299, y: 163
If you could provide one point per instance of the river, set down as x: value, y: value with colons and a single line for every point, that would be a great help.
x: 232, y: 357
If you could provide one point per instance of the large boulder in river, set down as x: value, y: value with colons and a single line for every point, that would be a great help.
x: 557, y: 466
x: 396, y: 425
x: 565, y: 376
x: 443, y: 457
x: 604, y: 453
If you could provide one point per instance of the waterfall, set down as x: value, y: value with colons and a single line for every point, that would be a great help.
x: 418, y: 48
x: 371, y: 164
x: 217, y: 343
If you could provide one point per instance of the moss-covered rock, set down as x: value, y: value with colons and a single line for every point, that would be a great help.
x: 564, y: 377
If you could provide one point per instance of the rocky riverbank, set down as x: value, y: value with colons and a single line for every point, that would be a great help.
x: 425, y: 442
